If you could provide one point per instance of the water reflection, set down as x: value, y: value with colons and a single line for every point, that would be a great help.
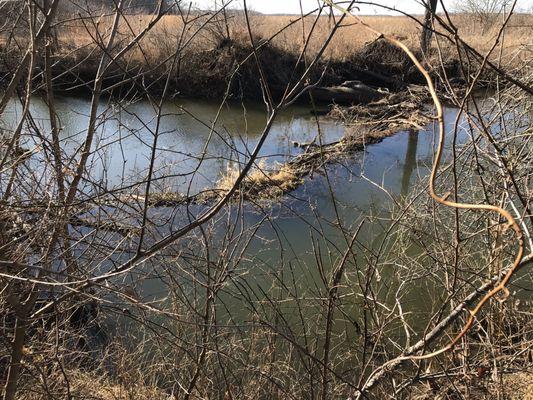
x: 125, y: 134
x: 121, y: 155
x: 410, y: 161
x: 188, y: 149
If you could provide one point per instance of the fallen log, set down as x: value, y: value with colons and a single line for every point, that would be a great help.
x: 350, y: 92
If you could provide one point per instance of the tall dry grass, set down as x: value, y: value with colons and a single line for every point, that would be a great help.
x: 78, y: 39
x: 162, y: 40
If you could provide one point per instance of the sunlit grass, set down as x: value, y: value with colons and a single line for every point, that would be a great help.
x: 161, y: 42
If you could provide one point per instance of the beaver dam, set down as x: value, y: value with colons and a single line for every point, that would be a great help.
x: 300, y: 145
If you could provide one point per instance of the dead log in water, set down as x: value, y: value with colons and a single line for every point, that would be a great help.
x: 350, y: 92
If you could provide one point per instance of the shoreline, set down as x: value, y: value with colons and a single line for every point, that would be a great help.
x: 227, y: 71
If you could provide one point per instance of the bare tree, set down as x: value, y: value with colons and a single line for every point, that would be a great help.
x: 484, y: 11
x: 427, y: 31
x: 154, y: 246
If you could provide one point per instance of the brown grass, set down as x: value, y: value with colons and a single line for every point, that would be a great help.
x: 350, y: 39
x: 97, y: 387
x: 262, y: 181
x: 207, y: 58
x: 516, y: 386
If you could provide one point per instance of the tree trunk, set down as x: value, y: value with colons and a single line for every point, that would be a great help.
x: 431, y: 9
x: 17, y: 350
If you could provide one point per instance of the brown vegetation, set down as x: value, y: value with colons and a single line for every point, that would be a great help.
x: 211, y: 55
x: 410, y: 300
x: 351, y: 38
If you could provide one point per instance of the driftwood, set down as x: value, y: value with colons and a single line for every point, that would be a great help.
x: 350, y: 92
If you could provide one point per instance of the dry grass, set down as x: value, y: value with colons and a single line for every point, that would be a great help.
x: 262, y: 181
x: 93, y: 387
x: 521, y: 384
x: 207, y: 58
x: 515, y: 386
x: 161, y: 42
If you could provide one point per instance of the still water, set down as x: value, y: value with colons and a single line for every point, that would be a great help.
x: 126, y: 131
x: 193, y: 153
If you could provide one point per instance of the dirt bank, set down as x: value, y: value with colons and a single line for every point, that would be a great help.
x: 228, y: 68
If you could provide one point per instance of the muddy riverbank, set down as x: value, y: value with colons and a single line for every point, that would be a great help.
x: 228, y: 70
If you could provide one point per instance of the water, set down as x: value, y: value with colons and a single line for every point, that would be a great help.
x: 191, y: 157
x: 125, y: 136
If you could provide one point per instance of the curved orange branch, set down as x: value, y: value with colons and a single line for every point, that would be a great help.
x: 511, y: 222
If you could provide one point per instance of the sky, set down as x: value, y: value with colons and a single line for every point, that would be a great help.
x: 293, y: 6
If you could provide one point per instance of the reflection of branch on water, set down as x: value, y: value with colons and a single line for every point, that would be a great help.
x: 103, y: 225
x: 410, y: 160
x: 366, y: 125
